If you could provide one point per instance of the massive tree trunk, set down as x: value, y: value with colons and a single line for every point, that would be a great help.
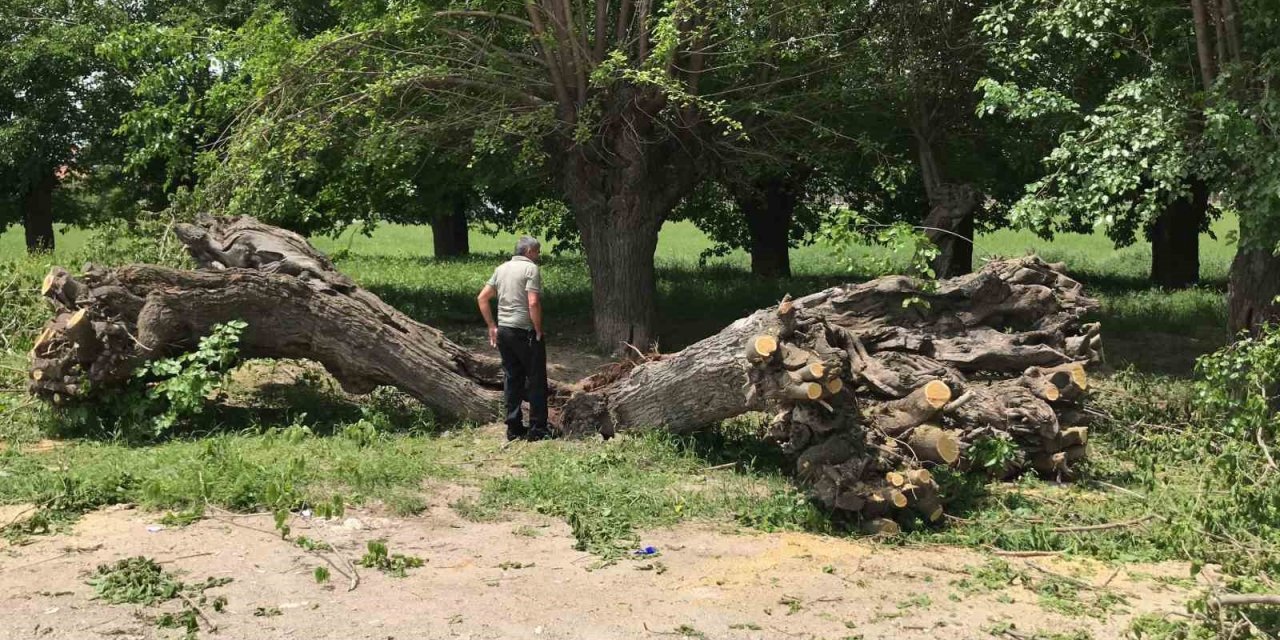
x: 296, y: 304
x: 768, y: 204
x: 870, y: 384
x: 868, y: 392
x: 620, y: 201
x: 620, y: 245
x: 1175, y: 241
x: 449, y: 237
x: 37, y: 214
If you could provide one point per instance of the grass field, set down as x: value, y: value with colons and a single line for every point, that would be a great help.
x: 1145, y: 461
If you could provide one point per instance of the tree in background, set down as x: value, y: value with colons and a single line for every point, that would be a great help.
x: 1132, y: 158
x: 58, y: 102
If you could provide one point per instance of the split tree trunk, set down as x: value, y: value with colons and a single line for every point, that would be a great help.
x: 449, y: 237
x: 37, y: 214
x: 1175, y: 241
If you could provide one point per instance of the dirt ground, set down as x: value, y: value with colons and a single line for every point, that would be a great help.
x: 521, y: 578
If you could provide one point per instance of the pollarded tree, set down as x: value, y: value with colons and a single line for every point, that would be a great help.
x: 623, y: 106
x: 58, y: 99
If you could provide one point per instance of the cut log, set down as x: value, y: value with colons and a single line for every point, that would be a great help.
x: 1069, y: 380
x: 929, y: 508
x: 833, y: 386
x: 931, y: 443
x: 813, y: 371
x: 897, y: 416
x: 803, y: 391
x: 919, y: 477
x: 881, y: 527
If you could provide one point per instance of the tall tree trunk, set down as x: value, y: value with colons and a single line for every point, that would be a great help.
x: 1254, y: 282
x: 949, y: 225
x: 1175, y: 241
x: 620, y: 242
x: 37, y: 214
x: 768, y: 205
x: 619, y: 212
x: 1204, y: 45
x: 449, y: 232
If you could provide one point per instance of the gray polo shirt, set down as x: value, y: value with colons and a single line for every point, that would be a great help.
x: 513, y: 280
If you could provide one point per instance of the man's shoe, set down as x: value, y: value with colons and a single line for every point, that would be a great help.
x: 537, y: 434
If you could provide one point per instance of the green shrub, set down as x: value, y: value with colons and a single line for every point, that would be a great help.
x: 162, y: 393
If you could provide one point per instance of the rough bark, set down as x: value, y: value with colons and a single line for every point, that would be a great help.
x: 37, y: 214
x: 1175, y: 241
x: 620, y: 203
x: 449, y: 238
x: 1252, y: 290
x: 296, y: 306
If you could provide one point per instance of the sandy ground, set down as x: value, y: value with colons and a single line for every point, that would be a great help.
x: 707, y: 582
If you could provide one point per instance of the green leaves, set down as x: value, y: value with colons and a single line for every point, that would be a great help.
x: 1132, y: 157
x: 186, y: 381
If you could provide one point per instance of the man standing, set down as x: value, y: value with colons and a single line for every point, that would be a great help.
x: 517, y: 334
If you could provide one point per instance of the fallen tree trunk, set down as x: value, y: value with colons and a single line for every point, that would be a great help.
x: 869, y: 384
x: 296, y: 304
x: 909, y: 378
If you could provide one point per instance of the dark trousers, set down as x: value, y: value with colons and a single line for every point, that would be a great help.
x: 524, y: 365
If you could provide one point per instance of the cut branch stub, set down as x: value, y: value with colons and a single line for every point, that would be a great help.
x: 761, y: 349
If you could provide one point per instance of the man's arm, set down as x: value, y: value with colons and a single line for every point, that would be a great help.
x: 535, y: 311
x: 486, y: 310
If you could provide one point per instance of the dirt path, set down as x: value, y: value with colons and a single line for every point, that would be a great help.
x: 706, y: 583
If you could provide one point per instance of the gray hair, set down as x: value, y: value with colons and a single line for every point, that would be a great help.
x: 526, y: 244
